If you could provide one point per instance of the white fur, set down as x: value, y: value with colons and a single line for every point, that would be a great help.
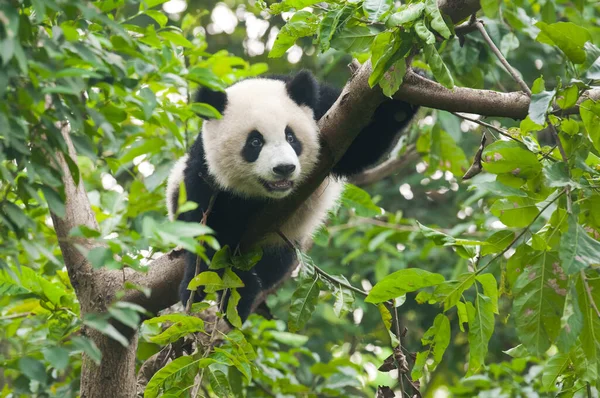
x: 173, y: 183
x: 263, y: 105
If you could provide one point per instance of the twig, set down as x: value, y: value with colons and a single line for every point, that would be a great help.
x: 322, y: 273
x: 205, y: 214
x: 502, y: 132
x: 15, y: 316
x: 565, y: 159
x: 501, y: 58
x: 589, y: 292
x: 520, y: 234
x: 394, y: 312
x: 385, y: 169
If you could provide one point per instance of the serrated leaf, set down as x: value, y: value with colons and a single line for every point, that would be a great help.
x: 481, y: 328
x: 401, y: 282
x: 303, y: 303
x: 577, y: 249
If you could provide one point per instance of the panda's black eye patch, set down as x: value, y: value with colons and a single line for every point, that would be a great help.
x: 290, y: 137
x: 253, y: 146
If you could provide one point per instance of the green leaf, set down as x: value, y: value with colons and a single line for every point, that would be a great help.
x: 232, y: 314
x: 509, y: 43
x: 175, y: 38
x: 205, y: 110
x: 590, y: 115
x: 302, y: 23
x: 291, y: 339
x: 490, y: 289
x: 554, y: 368
x: 87, y: 346
x: 497, y: 242
x: 490, y: 8
x: 55, y: 202
x: 538, y: 107
x: 437, y: 21
x: 406, y: 14
x: 510, y: 157
x: 158, y: 16
x: 182, y: 326
x: 577, y: 249
x: 571, y: 322
x: 185, y: 364
x: 211, y: 281
x: 451, y: 291
x: 567, y: 98
x: 33, y: 369
x: 438, y: 67
x: 329, y: 24
x: 590, y: 334
x: 359, y: 200
x: 376, y: 9
x: 355, y: 39
x: 287, y: 5
x: 401, y: 282
x: 539, y: 297
x: 344, y: 298
x: 58, y: 357
x: 100, y: 323
x: 303, y: 303
x: 517, y: 212
x: 423, y: 33
x: 557, y: 175
x: 438, y: 339
x: 463, y: 317
x: 567, y: 36
x: 219, y: 383
x: 481, y: 328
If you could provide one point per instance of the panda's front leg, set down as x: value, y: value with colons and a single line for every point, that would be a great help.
x: 275, y: 263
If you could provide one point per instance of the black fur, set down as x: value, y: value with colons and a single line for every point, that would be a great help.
x: 231, y: 213
x: 217, y: 99
x: 250, y: 152
x: 293, y: 140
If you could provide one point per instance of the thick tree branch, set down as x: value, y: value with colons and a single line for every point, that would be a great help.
x: 78, y: 212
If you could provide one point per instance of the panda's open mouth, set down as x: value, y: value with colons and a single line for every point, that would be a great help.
x: 278, y: 186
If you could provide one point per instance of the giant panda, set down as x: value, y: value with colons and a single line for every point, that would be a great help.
x: 261, y: 149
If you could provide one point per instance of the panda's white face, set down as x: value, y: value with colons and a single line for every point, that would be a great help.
x: 265, y: 144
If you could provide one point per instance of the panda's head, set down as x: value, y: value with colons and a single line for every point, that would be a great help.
x: 267, y: 141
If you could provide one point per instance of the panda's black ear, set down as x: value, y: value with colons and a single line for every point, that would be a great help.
x: 217, y: 99
x: 303, y: 88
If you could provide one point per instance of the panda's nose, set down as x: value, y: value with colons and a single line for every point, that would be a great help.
x: 284, y: 170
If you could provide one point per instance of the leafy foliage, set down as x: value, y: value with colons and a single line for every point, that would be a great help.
x: 495, y: 277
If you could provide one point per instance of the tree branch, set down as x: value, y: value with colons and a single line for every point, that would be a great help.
x: 385, y: 169
x: 503, y: 61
